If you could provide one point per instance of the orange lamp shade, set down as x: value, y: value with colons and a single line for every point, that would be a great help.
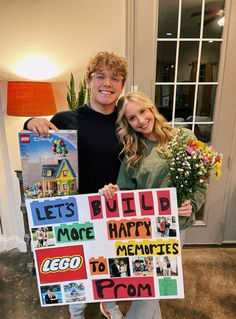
x: 30, y: 98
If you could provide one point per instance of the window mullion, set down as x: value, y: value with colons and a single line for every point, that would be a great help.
x: 176, y: 62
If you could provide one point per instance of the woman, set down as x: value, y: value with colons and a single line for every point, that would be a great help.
x: 145, y: 133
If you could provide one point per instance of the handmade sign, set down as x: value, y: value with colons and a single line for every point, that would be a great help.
x: 88, y: 249
x: 49, y: 164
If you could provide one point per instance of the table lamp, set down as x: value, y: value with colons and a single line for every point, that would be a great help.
x: 30, y: 99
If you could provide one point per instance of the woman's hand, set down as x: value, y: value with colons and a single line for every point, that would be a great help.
x: 41, y: 126
x: 185, y: 209
x: 108, y: 190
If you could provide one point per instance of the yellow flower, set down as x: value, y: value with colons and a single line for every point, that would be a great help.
x: 218, y: 174
x: 200, y: 144
x: 217, y: 169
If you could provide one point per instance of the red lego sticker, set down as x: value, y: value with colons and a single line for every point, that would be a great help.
x: 61, y: 264
x: 24, y: 138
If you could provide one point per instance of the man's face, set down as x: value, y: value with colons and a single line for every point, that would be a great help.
x: 105, y: 88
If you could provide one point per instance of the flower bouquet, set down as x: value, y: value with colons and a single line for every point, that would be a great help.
x: 190, y: 163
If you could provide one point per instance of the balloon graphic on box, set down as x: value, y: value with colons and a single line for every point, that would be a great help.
x: 60, y: 148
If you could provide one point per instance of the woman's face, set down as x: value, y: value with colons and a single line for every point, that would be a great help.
x: 140, y: 119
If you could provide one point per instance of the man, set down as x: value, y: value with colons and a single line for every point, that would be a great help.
x: 115, y: 268
x: 98, y: 146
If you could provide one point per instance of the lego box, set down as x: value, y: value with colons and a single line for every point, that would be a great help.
x: 49, y: 164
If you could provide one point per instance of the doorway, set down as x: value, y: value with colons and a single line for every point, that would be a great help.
x: 186, y: 64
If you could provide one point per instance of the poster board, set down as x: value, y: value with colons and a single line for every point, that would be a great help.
x: 49, y: 164
x: 87, y: 249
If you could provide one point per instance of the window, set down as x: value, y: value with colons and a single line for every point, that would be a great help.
x: 188, y: 51
x: 65, y: 172
x: 49, y: 172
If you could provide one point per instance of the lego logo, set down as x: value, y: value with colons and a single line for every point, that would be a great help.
x: 24, y: 138
x: 58, y: 264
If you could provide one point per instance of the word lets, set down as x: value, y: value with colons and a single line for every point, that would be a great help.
x: 148, y: 248
x: 114, y: 288
x: 130, y: 206
x: 61, y: 264
x: 54, y: 211
x: 135, y: 228
x: 75, y: 232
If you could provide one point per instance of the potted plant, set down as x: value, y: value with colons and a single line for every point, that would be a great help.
x: 74, y: 99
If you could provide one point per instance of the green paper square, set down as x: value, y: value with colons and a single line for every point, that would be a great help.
x: 168, y: 287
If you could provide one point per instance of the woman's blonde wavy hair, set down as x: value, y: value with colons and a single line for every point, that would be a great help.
x: 134, y: 145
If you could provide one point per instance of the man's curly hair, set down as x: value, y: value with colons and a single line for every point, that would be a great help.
x: 108, y: 60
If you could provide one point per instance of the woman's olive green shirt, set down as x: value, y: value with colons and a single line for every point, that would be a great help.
x: 153, y: 173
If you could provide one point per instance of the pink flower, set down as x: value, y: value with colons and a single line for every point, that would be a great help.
x: 218, y: 159
x: 190, y: 149
x: 206, y: 159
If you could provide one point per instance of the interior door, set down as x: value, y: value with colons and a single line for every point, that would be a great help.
x: 217, y: 224
x: 229, y: 222
x: 186, y: 64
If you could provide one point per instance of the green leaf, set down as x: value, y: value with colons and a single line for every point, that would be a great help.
x: 74, y: 99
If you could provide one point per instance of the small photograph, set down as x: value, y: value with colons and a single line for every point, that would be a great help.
x: 149, y: 265
x: 51, y: 294
x: 142, y: 266
x: 166, y: 266
x: 119, y: 267
x: 74, y: 291
x: 166, y: 226
x: 43, y: 237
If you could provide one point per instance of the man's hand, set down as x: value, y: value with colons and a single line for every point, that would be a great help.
x: 41, y: 126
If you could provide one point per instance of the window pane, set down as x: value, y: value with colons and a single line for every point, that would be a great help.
x: 184, y: 102
x: 190, y: 19
x: 187, y: 67
x: 203, y: 132
x: 200, y: 214
x: 185, y: 125
x: 168, y: 11
x: 210, y: 61
x: 214, y: 10
x: 164, y: 100
x: 205, y: 102
x: 166, y: 52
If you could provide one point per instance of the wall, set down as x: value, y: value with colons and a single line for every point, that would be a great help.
x: 8, y: 213
x: 68, y: 33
